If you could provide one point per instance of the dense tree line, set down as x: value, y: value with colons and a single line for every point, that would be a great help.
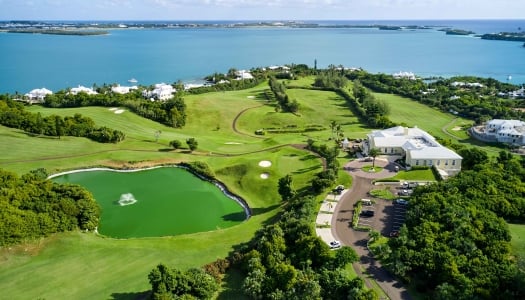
x: 331, y: 79
x: 455, y: 243
x: 171, y: 112
x: 328, y: 176
x: 32, y: 207
x: 193, y: 283
x: 288, y: 261
x: 13, y: 114
x: 479, y: 103
x: 284, y: 102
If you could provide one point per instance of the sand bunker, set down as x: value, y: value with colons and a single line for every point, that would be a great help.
x: 265, y: 163
x: 232, y: 143
x: 251, y: 97
x: 113, y: 108
x: 265, y: 175
x: 457, y: 128
x: 119, y: 111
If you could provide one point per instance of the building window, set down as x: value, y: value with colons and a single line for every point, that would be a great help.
x: 430, y: 163
x: 439, y: 162
x: 454, y: 162
x: 392, y: 150
x: 417, y: 162
x: 446, y: 162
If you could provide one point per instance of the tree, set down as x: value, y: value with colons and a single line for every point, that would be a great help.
x: 374, y: 152
x: 176, y: 144
x: 285, y: 188
x: 192, y: 144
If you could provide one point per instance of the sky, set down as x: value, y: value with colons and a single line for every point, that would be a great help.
x: 260, y: 10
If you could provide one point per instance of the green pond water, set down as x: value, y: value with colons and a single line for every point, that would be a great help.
x: 156, y: 202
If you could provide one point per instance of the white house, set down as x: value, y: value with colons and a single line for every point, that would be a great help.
x: 506, y: 131
x: 38, y: 94
x: 405, y: 75
x: 161, y: 91
x: 123, y: 89
x: 417, y: 146
x: 83, y: 89
x: 243, y: 74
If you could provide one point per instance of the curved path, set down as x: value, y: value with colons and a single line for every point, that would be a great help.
x: 234, y: 123
x: 342, y: 218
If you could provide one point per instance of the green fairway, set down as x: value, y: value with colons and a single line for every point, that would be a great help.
x: 156, y: 202
x: 413, y: 113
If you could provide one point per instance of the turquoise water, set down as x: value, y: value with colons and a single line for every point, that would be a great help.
x: 30, y: 61
x: 160, y: 202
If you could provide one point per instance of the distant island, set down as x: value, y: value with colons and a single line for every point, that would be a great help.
x: 91, y: 28
x: 451, y: 31
x: 505, y: 36
x: 58, y: 31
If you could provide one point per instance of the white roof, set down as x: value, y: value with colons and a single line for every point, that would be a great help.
x: 419, y: 143
x: 434, y: 153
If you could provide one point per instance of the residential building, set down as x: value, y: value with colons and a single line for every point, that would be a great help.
x: 416, y: 146
x: 82, y: 89
x: 123, y: 89
x: 161, y: 91
x: 38, y: 95
x: 504, y: 131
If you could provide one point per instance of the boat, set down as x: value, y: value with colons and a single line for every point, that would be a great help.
x: 133, y: 80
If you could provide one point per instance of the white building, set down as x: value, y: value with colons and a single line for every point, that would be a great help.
x: 506, y: 131
x: 38, y: 94
x: 417, y: 146
x: 161, y: 91
x: 123, y: 89
x: 82, y: 89
x: 405, y: 75
x: 243, y: 74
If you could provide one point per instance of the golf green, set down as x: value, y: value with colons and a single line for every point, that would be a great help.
x: 156, y: 202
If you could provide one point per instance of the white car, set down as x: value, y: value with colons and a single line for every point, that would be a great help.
x: 335, y: 245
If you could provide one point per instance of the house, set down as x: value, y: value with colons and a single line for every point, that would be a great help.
x: 404, y: 75
x: 416, y: 146
x: 123, y: 89
x: 38, y: 95
x: 161, y: 91
x: 503, y: 131
x: 243, y: 74
x: 82, y: 89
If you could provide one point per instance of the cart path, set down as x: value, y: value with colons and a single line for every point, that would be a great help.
x: 234, y: 123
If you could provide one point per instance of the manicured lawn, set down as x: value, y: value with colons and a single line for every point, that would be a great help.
x: 517, y: 232
x: 415, y: 175
x: 372, y: 169
x: 382, y: 193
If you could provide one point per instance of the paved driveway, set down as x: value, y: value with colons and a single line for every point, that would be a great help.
x: 382, y: 221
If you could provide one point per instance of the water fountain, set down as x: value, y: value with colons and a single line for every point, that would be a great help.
x: 127, y: 199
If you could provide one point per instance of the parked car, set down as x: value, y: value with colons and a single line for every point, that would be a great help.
x: 405, y: 193
x: 401, y: 201
x: 367, y: 213
x: 335, y: 245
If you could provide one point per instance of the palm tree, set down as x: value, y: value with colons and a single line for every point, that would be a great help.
x: 374, y: 152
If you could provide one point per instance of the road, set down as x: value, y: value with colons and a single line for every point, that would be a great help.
x: 361, y: 185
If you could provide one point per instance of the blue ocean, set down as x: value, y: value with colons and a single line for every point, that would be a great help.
x: 29, y: 61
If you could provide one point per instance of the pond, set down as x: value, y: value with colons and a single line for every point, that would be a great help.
x: 156, y: 202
